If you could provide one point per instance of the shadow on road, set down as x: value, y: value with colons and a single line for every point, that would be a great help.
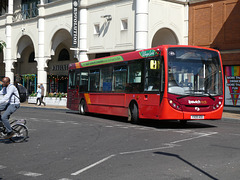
x: 159, y: 124
x: 187, y: 162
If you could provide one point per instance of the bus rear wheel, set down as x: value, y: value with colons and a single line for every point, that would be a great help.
x: 82, y: 107
x: 133, y: 116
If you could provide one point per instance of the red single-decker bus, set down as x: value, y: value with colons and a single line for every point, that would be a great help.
x: 168, y: 82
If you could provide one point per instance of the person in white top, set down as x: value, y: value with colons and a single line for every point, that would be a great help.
x: 39, y: 94
x: 9, y: 103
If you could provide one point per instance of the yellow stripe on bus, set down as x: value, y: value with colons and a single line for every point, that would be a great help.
x: 87, y: 98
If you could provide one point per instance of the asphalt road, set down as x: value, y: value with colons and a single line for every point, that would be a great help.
x: 66, y: 146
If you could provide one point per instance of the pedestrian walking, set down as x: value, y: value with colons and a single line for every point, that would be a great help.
x: 39, y: 95
x: 42, y: 95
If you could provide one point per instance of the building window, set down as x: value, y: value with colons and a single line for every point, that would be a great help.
x: 96, y: 28
x: 124, y: 24
x: 31, y: 57
x: 29, y: 8
x: 64, y: 55
x: 3, y: 7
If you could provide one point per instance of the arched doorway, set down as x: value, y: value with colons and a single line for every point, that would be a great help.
x: 60, y: 59
x: 26, y: 66
x: 164, y: 36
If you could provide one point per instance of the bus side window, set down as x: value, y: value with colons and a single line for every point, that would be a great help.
x: 94, y: 80
x: 135, y: 72
x: 162, y: 76
x: 72, y: 79
x: 77, y: 79
x: 152, y: 76
x: 83, y: 86
x: 106, y: 79
x: 120, y: 78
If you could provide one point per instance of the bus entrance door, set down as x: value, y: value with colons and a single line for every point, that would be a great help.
x: 150, y: 106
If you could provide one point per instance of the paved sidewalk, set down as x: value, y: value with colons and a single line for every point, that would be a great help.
x: 26, y: 104
x: 231, y: 112
x: 231, y: 109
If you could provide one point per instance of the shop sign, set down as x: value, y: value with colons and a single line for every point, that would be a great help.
x: 63, y: 67
x: 232, y: 85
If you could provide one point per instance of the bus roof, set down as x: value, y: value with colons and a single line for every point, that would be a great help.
x: 151, y: 52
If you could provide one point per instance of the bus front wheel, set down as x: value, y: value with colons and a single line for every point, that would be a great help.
x: 82, y: 107
x: 133, y: 114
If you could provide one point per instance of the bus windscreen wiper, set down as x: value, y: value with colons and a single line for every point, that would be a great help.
x: 187, y: 95
x: 209, y: 95
x: 183, y: 96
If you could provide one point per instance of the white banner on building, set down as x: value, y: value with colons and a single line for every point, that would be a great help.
x: 75, y: 19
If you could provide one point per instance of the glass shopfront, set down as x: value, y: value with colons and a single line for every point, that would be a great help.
x: 57, y: 83
x: 58, y: 78
x: 29, y: 81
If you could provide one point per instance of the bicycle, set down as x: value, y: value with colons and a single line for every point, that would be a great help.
x: 19, y: 128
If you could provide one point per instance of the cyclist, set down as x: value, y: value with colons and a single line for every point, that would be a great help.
x: 9, y: 103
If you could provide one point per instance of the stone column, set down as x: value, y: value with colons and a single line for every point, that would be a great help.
x: 141, y: 24
x: 9, y: 61
x: 41, y: 59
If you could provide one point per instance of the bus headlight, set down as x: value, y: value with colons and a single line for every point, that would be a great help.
x: 175, y: 105
x: 217, y: 105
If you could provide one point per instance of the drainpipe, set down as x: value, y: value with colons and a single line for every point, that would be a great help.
x: 141, y: 41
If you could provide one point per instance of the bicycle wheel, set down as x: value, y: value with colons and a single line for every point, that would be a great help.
x: 21, y: 133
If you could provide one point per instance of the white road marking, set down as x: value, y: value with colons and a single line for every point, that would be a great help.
x: 30, y: 174
x: 2, y: 167
x: 124, y: 127
x: 189, y: 139
x: 183, y: 131
x: 152, y: 149
x: 165, y: 146
x: 92, y: 165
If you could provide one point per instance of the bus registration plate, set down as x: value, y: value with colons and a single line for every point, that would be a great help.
x: 197, y: 117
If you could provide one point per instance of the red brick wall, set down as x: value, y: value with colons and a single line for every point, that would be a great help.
x: 216, y: 24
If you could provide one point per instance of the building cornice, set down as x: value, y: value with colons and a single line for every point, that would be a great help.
x: 57, y: 14
x: 233, y: 51
x: 183, y: 2
x: 196, y: 1
x: 53, y: 4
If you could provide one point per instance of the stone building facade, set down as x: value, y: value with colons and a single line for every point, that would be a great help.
x: 38, y: 34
